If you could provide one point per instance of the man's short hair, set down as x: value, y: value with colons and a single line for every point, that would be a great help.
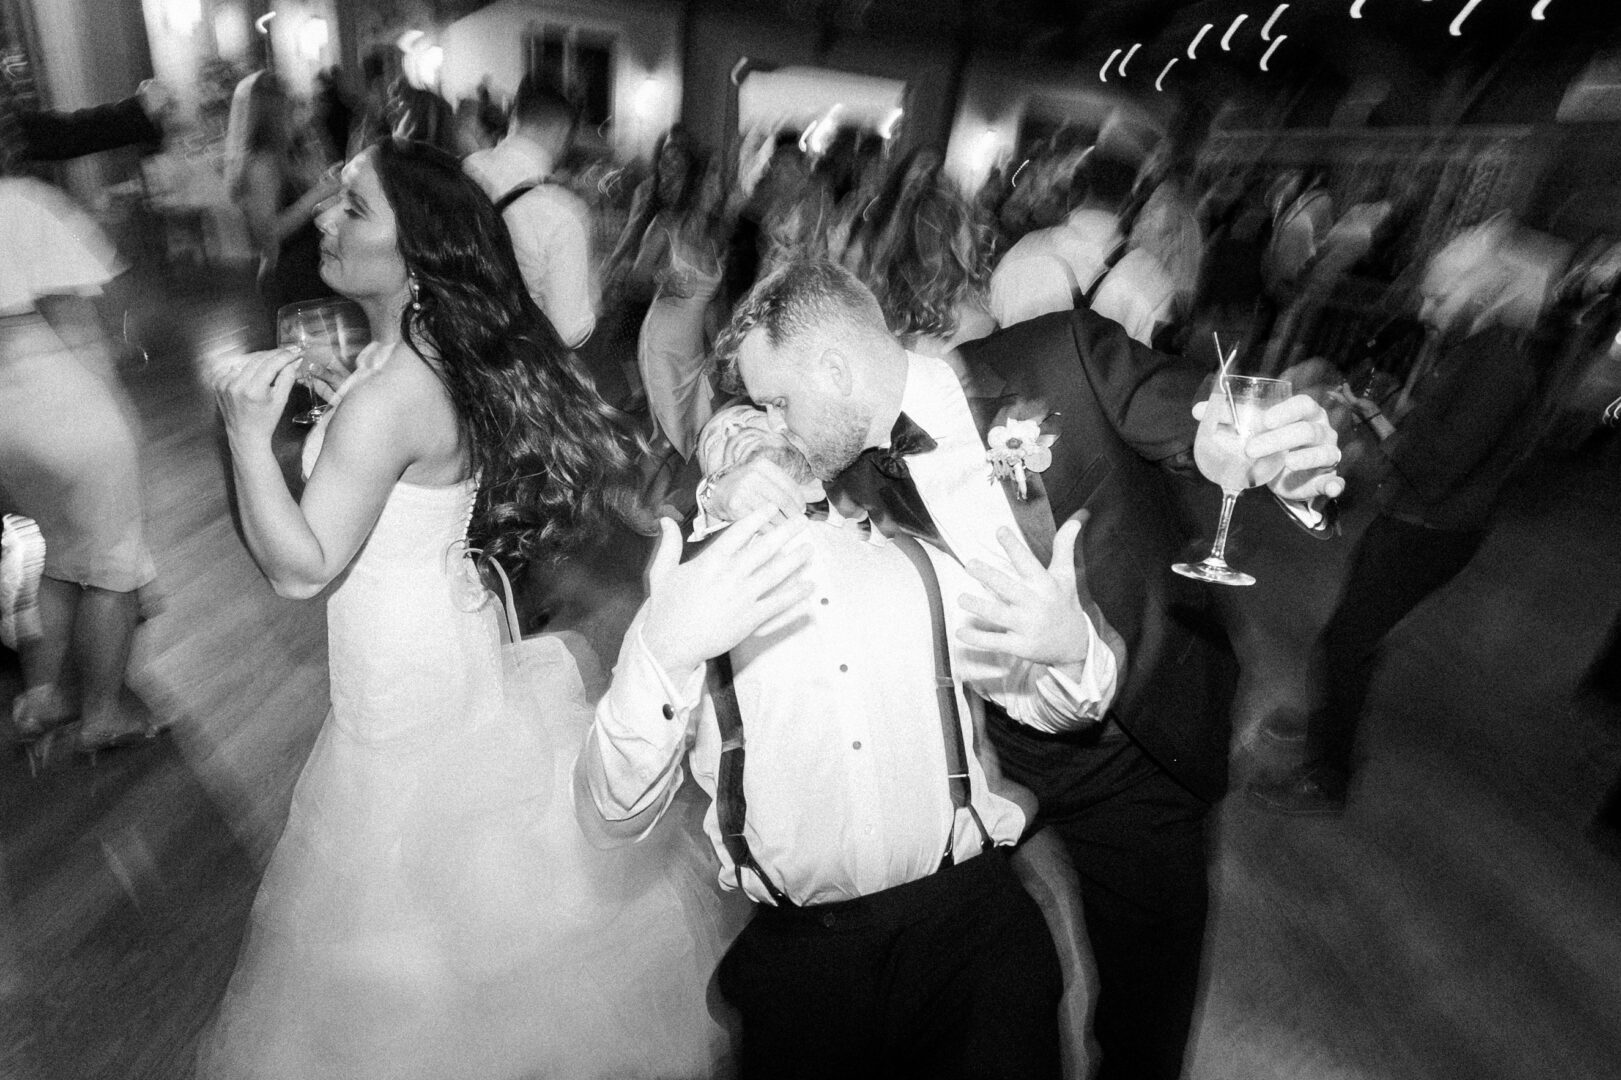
x: 1104, y: 180
x: 797, y: 296
x: 741, y: 433
x: 540, y: 104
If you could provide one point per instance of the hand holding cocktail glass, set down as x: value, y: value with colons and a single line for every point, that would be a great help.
x: 329, y: 335
x: 1253, y: 432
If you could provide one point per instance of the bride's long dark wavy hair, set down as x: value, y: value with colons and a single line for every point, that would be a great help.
x: 553, y: 460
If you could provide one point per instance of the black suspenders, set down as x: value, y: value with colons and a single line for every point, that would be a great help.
x: 514, y: 195
x: 730, y: 805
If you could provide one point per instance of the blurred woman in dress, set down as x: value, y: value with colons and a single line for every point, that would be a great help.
x: 277, y: 179
x: 433, y: 909
x: 68, y: 461
x: 674, y: 346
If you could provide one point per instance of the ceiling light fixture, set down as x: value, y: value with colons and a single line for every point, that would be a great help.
x: 1103, y: 72
x: 1456, y: 29
x: 1272, y: 48
x: 1227, y: 38
x: 1127, y: 58
x: 1194, y: 44
x: 1266, y: 31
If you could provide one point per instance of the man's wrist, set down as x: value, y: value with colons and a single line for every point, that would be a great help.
x: 670, y: 658
x: 706, y: 492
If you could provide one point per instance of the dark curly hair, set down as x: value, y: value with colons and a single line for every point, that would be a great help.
x: 553, y: 461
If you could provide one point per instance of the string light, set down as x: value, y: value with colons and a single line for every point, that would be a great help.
x: 1456, y: 29
x: 1227, y: 38
x: 1159, y: 82
x: 1103, y: 72
x: 1272, y: 48
x: 1266, y: 31
x: 1129, y: 54
x: 1194, y: 44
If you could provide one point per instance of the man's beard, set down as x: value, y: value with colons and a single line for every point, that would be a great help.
x: 838, y: 444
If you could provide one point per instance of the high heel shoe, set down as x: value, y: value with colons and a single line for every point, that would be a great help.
x: 39, y: 716
x: 92, y: 743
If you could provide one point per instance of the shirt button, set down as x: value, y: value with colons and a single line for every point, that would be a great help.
x: 828, y: 920
x: 856, y: 745
x: 824, y: 601
x: 844, y: 667
x: 669, y: 711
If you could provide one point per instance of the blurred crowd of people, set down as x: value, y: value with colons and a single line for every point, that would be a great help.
x: 651, y: 299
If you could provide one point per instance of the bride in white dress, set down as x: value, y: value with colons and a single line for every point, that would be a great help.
x: 432, y: 909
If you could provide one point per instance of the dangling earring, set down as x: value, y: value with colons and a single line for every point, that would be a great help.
x: 416, y: 301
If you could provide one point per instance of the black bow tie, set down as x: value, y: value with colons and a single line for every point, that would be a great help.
x: 905, y: 438
x: 818, y: 511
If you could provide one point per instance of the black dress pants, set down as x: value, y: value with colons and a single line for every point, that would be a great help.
x: 1396, y: 565
x: 1138, y: 839
x: 951, y: 976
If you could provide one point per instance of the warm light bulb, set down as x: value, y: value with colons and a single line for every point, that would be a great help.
x: 647, y: 97
x: 1272, y: 48
x: 1194, y: 44
x: 1129, y: 54
x: 1103, y: 72
x: 312, y: 38
x: 1456, y: 29
x: 1227, y: 38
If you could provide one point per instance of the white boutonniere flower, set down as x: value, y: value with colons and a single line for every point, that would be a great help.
x: 1018, y: 447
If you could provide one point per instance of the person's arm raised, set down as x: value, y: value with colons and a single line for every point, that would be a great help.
x: 301, y: 547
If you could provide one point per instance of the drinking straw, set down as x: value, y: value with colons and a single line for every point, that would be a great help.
x: 1221, y: 378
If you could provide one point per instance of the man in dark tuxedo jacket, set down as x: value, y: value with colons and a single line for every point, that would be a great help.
x: 906, y: 437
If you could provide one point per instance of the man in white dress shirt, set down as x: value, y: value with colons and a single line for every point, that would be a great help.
x: 550, y: 225
x: 891, y: 937
x: 1098, y: 423
x: 1054, y: 269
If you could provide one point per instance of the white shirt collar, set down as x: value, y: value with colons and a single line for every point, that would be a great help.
x: 933, y: 398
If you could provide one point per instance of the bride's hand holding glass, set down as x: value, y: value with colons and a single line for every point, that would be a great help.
x: 252, y: 390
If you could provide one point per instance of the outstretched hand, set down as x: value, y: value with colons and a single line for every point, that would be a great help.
x: 749, y: 577
x: 1299, y: 429
x: 1036, y: 615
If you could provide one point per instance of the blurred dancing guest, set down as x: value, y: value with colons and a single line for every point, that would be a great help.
x: 68, y: 460
x: 1131, y: 795
x: 1449, y: 451
x: 674, y: 347
x: 550, y: 225
x: 277, y: 180
x: 890, y: 937
x: 1055, y: 269
x: 928, y: 261
x: 432, y: 909
x: 1150, y: 291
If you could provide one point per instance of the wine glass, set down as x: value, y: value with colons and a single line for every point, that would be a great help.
x: 1231, y: 417
x: 329, y: 335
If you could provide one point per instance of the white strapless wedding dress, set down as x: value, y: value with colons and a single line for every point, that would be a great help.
x: 433, y: 910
